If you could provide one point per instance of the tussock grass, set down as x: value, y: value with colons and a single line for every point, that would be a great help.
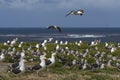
x: 59, y: 71
x: 64, y: 74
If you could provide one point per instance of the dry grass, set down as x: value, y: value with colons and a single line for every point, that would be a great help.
x: 45, y: 75
x: 60, y: 74
x: 70, y: 75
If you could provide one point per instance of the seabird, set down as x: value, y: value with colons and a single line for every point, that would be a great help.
x: 20, y: 69
x: 14, y: 65
x: 61, y: 42
x: 37, y: 46
x: 50, y: 39
x: 13, y: 42
x: 94, y: 66
x: 102, y: 66
x: 20, y: 45
x: 56, y: 42
x: 51, y: 60
x: 84, y: 66
x: 78, y: 12
x: 41, y: 65
x: 109, y: 64
x: 22, y: 54
x: 55, y: 27
x: 57, y: 47
x: 2, y: 57
x: 71, y: 63
x: 17, y: 64
x: 66, y: 43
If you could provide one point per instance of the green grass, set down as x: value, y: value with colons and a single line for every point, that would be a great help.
x: 59, y: 71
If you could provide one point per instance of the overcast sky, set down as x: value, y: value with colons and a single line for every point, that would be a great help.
x: 42, y: 13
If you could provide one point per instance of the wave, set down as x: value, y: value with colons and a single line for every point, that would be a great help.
x: 60, y: 35
x: 30, y: 35
x: 84, y: 36
x: 17, y: 35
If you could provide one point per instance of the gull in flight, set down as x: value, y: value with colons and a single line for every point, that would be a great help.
x: 55, y: 27
x: 78, y: 12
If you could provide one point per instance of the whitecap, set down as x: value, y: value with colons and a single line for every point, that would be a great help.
x: 84, y: 36
x: 17, y: 35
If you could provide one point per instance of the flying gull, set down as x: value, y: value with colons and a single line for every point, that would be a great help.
x: 55, y: 27
x: 78, y: 12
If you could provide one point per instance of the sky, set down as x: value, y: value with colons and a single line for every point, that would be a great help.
x: 43, y: 13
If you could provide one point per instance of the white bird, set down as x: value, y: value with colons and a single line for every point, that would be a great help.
x: 80, y: 41
x: 74, y: 62
x: 55, y: 27
x: 113, y: 49
x: 43, y: 44
x: 45, y: 41
x: 109, y: 63
x: 84, y: 66
x: 20, y: 45
x: 20, y: 69
x: 17, y: 64
x: 57, y: 47
x: 41, y: 65
x: 2, y: 57
x: 50, y: 39
x: 45, y: 48
x: 102, y: 66
x: 8, y: 42
x: 106, y: 44
x: 21, y: 55
x: 56, y: 42
x: 66, y: 48
x: 61, y: 42
x: 77, y: 12
x: 92, y: 43
x: 4, y: 43
x: 51, y: 60
x: 78, y: 44
x: 13, y: 42
x: 37, y: 46
x: 66, y: 42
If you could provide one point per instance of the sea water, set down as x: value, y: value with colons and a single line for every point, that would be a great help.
x: 67, y: 34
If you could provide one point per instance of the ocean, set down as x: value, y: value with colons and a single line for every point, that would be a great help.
x: 67, y: 34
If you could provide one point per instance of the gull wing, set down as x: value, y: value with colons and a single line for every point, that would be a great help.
x: 59, y: 29
x: 51, y: 27
x: 69, y: 13
x: 82, y: 10
x: 55, y: 27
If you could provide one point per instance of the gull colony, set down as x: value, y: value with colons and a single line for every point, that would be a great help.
x: 25, y: 56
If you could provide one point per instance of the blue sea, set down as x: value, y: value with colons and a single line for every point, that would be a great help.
x: 67, y: 34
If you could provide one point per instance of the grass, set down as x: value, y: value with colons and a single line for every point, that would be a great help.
x: 64, y: 74
x: 59, y: 71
